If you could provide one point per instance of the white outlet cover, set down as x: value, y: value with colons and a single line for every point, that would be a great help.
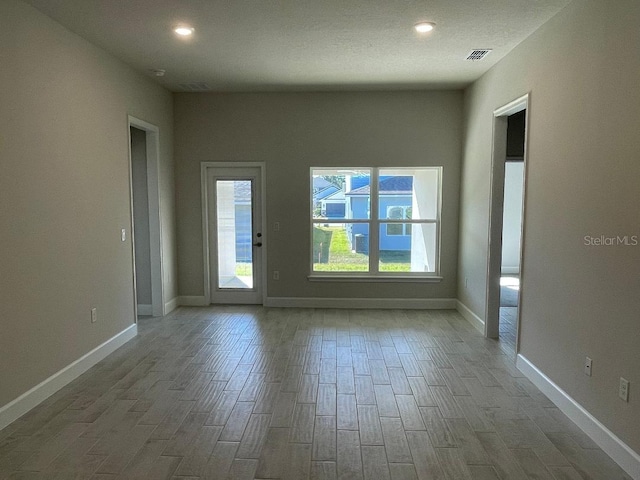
x: 623, y: 391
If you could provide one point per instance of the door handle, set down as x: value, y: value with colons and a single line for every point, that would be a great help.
x: 258, y: 244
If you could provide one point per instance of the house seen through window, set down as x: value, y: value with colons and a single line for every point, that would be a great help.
x: 375, y: 221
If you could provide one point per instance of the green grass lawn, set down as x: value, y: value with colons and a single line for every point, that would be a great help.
x: 244, y: 269
x: 332, y: 253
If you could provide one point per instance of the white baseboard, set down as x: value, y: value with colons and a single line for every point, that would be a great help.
x: 25, y: 402
x: 471, y: 317
x: 192, y: 301
x: 145, y: 309
x: 171, y: 305
x: 382, y: 303
x: 619, y: 451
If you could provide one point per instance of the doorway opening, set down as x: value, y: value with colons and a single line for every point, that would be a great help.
x: 145, y: 218
x: 232, y: 207
x: 508, y: 184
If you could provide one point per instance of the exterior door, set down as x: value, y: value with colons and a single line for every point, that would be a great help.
x: 235, y: 234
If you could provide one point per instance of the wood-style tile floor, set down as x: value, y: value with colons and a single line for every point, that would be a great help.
x: 253, y: 393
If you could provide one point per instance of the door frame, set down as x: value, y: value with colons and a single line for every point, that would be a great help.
x: 152, y: 134
x: 205, y: 167
x: 494, y: 253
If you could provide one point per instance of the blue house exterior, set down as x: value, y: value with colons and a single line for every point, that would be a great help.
x: 395, y: 194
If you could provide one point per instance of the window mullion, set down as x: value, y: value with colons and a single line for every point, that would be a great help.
x: 374, y: 227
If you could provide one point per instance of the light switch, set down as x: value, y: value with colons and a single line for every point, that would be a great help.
x: 123, y: 235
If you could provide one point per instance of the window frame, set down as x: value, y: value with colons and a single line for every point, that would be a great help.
x: 375, y: 222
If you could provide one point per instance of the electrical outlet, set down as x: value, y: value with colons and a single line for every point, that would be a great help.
x: 623, y: 391
x: 276, y: 226
x: 276, y: 275
x: 587, y: 366
x: 94, y: 315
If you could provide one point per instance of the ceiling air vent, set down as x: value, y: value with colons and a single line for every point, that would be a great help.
x: 194, y: 87
x: 478, y: 54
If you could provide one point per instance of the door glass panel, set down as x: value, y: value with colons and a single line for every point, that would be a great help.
x: 234, y: 234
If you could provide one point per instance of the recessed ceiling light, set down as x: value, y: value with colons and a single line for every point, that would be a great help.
x: 424, y: 27
x: 183, y: 30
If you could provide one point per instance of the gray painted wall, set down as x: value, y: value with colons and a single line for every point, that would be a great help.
x: 141, y: 215
x: 294, y: 131
x: 583, y: 70
x: 64, y: 195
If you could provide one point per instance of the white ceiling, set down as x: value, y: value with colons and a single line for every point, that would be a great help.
x: 262, y: 45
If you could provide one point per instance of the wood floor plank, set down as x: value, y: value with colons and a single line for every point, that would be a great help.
x: 327, y: 399
x: 345, y: 382
x: 386, y: 401
x: 467, y: 441
x: 438, y: 430
x: 254, y: 436
x: 409, y: 413
x: 283, y: 410
x: 369, y: 425
x: 395, y: 440
x: 402, y: 471
x: 360, y: 363
x: 531, y: 464
x: 299, y: 463
x: 195, y: 461
x: 303, y: 423
x: 242, y: 469
x: 349, y: 460
x: 181, y: 441
x: 379, y: 373
x: 424, y: 456
x: 347, y: 418
x: 220, y: 461
x: 500, y: 456
x: 60, y: 442
x: 252, y: 387
x: 248, y: 392
x: 399, y: 382
x: 453, y: 465
x: 275, y: 452
x: 323, y: 471
x: 237, y: 422
x: 266, y: 401
x: 308, y: 389
x: 365, y: 394
x: 324, y: 438
x: 421, y: 392
x: 446, y: 402
x: 374, y: 463
x: 328, y: 370
x: 223, y: 408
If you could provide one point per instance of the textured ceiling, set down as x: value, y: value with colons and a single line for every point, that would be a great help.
x: 262, y: 45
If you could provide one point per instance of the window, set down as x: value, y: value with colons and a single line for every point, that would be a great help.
x: 398, y: 213
x: 375, y: 221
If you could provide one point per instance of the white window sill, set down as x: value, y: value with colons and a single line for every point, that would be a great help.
x: 375, y: 278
